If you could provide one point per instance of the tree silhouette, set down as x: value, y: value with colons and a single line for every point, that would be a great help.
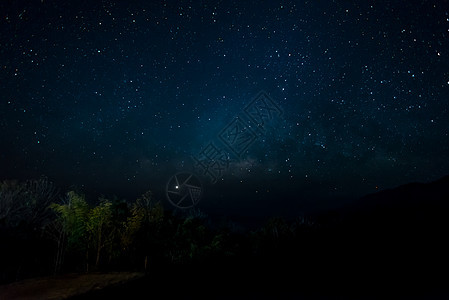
x: 27, y: 202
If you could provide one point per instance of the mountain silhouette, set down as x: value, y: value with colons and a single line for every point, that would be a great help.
x: 395, y: 235
x: 413, y: 205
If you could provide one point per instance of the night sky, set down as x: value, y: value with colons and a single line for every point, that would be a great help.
x: 115, y: 97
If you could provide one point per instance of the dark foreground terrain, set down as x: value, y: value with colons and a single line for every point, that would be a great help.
x: 66, y: 286
x: 281, y: 282
x: 392, y: 244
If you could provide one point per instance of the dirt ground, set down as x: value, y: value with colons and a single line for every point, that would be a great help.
x: 63, y: 287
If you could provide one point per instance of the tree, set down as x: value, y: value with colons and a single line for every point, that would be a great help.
x: 10, y: 192
x: 143, y: 226
x: 99, y: 227
x: 39, y: 194
x: 72, y: 217
x: 27, y: 202
x: 24, y: 213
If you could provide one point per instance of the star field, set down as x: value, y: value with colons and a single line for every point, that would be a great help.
x: 116, y: 97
